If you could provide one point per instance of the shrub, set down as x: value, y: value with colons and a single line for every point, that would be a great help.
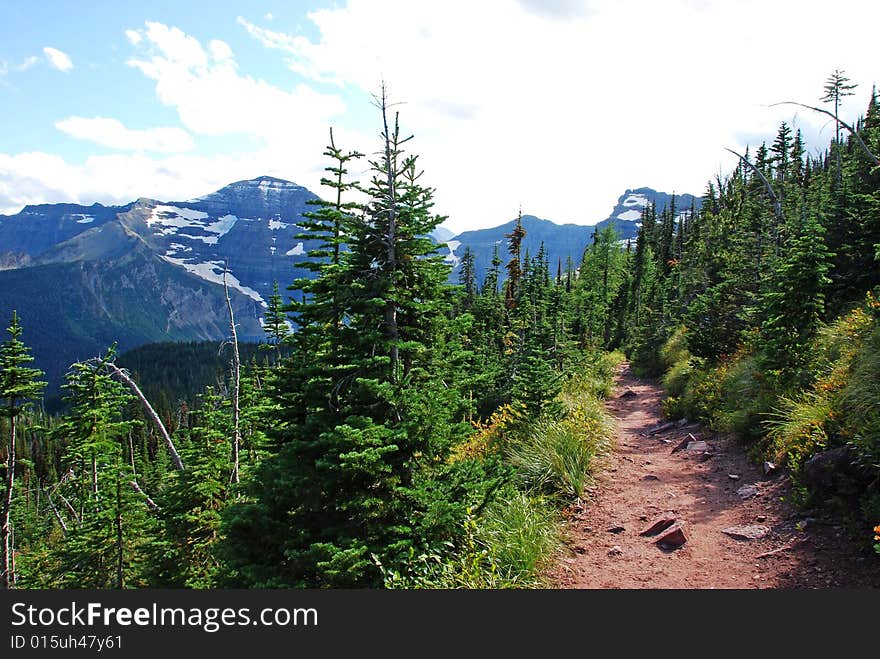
x: 797, y: 428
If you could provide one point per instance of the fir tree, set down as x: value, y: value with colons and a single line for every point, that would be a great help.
x: 275, y: 324
x: 18, y: 386
x: 346, y: 483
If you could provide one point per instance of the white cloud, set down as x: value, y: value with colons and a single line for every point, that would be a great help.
x: 37, y: 177
x: 562, y: 112
x: 558, y: 107
x: 58, y: 59
x: 28, y: 62
x: 113, y: 134
x: 212, y: 98
x: 220, y: 50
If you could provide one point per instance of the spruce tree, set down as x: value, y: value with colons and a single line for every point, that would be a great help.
x: 275, y: 323
x: 109, y: 538
x: 18, y: 386
x: 345, y: 488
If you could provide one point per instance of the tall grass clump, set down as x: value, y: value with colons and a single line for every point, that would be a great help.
x: 522, y: 533
x: 556, y: 457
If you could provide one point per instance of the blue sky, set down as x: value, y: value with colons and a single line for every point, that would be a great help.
x: 556, y: 106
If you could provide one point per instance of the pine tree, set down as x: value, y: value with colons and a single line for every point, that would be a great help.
x: 837, y: 86
x: 109, y: 538
x: 493, y: 275
x: 467, y: 278
x: 515, y: 264
x: 346, y: 482
x: 275, y: 323
x: 795, y: 304
x: 18, y: 386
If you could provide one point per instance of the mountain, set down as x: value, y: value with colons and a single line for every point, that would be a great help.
x: 562, y: 241
x: 82, y: 277
x: 441, y: 234
x: 627, y: 213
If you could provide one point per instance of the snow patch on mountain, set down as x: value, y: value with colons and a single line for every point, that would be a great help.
x: 452, y: 257
x: 298, y: 250
x: 172, y: 216
x: 83, y: 218
x: 222, y: 226
x: 175, y: 221
x: 636, y: 200
x: 629, y: 215
x: 212, y: 271
x: 274, y: 225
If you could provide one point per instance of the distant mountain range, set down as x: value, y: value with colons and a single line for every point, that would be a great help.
x: 561, y: 241
x: 83, y: 277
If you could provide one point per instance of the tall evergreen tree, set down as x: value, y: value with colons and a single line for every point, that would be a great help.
x: 19, y: 385
x: 515, y: 264
x: 275, y: 323
x: 345, y: 483
x: 837, y: 86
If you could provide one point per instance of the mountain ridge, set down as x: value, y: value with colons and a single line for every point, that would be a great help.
x: 152, y: 270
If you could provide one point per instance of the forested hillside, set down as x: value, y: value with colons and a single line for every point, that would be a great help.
x: 761, y: 311
x: 412, y: 433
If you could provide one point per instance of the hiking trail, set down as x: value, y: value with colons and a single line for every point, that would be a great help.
x: 686, y: 477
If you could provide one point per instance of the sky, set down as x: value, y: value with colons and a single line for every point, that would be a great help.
x: 554, y: 107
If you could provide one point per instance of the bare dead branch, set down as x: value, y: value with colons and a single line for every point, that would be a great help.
x: 55, y: 510
x: 131, y: 384
x: 152, y: 505
x: 236, y: 384
x: 840, y: 121
x: 777, y: 207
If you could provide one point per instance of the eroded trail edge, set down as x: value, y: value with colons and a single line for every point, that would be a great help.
x: 739, y: 529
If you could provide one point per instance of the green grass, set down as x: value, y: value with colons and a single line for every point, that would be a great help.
x: 522, y: 533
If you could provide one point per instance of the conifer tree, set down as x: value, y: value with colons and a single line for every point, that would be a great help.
x: 108, y: 539
x: 18, y: 386
x: 515, y: 264
x: 275, y: 324
x: 346, y: 483
x: 837, y: 86
x: 467, y: 278
x: 795, y: 303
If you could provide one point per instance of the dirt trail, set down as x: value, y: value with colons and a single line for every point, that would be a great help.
x: 643, y: 480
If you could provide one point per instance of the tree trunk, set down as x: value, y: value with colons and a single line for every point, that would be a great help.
x: 122, y: 375
x: 391, y: 307
x: 236, y: 381
x: 120, y: 555
x: 56, y: 512
x: 7, y: 576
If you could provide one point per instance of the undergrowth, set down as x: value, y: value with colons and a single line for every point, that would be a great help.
x: 510, y: 542
x: 839, y: 408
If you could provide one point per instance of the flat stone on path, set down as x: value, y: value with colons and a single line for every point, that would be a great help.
x: 672, y: 538
x: 659, y: 525
x: 697, y: 446
x: 747, y: 491
x: 747, y: 532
